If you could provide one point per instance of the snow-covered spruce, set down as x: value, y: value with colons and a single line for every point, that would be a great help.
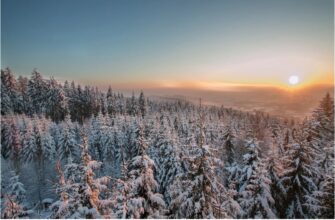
x: 13, y: 205
x: 254, y: 185
x: 197, y: 193
x: 80, y: 192
x: 143, y: 199
x: 298, y: 179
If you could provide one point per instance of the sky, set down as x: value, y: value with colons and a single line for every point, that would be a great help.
x: 171, y: 44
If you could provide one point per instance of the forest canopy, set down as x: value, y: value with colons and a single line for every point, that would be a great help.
x: 73, y: 151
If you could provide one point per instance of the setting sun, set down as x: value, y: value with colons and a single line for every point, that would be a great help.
x: 293, y: 80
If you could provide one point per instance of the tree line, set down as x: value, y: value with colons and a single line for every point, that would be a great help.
x: 83, y: 153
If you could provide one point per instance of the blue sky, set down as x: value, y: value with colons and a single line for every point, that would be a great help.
x: 169, y: 43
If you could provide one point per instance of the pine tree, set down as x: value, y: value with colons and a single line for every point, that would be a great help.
x: 120, y: 195
x: 68, y: 145
x: 229, y: 147
x: 254, y: 185
x: 15, y: 195
x: 24, y: 99
x: 320, y: 137
x: 327, y: 106
x: 142, y: 105
x: 6, y: 102
x: 56, y: 103
x: 321, y: 132
x: 320, y: 203
x: 86, y: 103
x: 37, y: 90
x: 133, y: 140
x: 132, y: 105
x: 113, y: 149
x: 80, y: 192
x: 38, y: 149
x: 10, y: 142
x: 55, y: 135
x: 197, y: 193
x: 274, y: 168
x: 77, y: 104
x: 9, y: 93
x: 71, y: 94
x: 102, y: 103
x: 143, y: 201
x: 165, y: 155
x: 16, y: 188
x: 298, y: 178
x: 120, y: 103
x: 109, y: 140
x: 96, y: 139
x: 111, y: 107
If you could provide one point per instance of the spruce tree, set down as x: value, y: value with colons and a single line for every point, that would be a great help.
x: 80, y: 192
x: 167, y: 159
x: 111, y: 105
x: 38, y: 149
x: 229, y: 147
x: 56, y: 103
x: 254, y: 184
x: 37, y: 91
x: 68, y: 145
x: 14, y: 204
x: 96, y: 139
x: 10, y: 102
x: 142, y: 104
x: 11, y: 145
x: 144, y: 201
x: 198, y: 193
x: 298, y: 178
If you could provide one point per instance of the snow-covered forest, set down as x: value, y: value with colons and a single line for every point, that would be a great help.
x: 73, y: 151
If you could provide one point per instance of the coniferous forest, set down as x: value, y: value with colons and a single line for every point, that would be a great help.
x: 73, y: 151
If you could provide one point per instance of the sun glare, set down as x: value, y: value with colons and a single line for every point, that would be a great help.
x: 293, y: 80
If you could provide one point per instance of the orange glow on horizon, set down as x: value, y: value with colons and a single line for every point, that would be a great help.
x: 305, y: 81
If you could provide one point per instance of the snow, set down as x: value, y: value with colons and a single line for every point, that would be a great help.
x: 47, y: 201
x: 130, y: 157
